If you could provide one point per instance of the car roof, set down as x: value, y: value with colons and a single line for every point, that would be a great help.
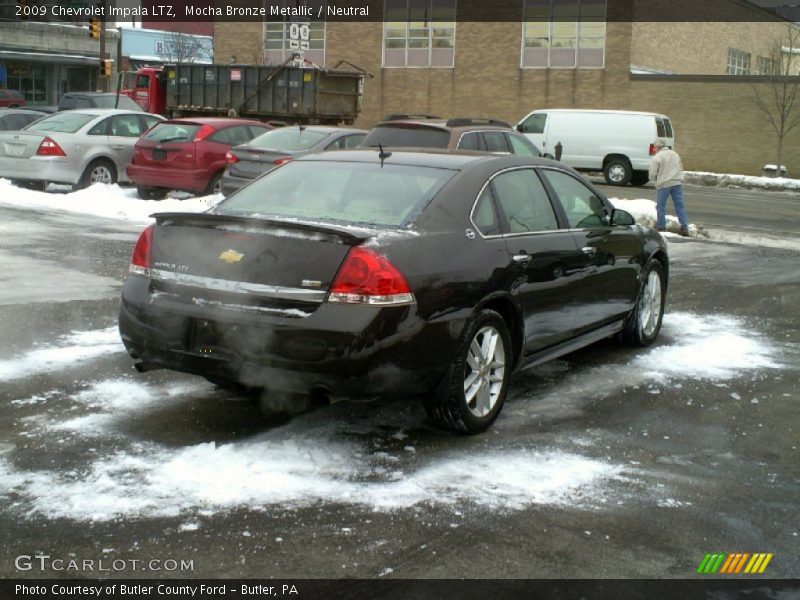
x: 105, y: 112
x: 92, y: 94
x: 217, y: 121
x: 425, y: 157
x: 324, y: 128
x: 455, y: 124
x: 21, y: 109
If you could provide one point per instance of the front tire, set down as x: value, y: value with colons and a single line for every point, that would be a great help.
x: 472, y: 393
x: 644, y: 321
x: 618, y: 171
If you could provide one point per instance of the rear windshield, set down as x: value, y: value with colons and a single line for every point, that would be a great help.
x: 111, y: 102
x: 65, y: 122
x: 339, y: 192
x: 407, y: 137
x: 288, y: 139
x: 172, y: 132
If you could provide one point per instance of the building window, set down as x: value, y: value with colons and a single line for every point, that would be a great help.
x: 564, y: 34
x: 284, y: 36
x: 766, y: 66
x: 419, y: 33
x: 738, y: 62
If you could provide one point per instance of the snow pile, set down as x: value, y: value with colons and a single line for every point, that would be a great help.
x: 644, y: 211
x: 70, y: 349
x: 109, y: 201
x: 747, y: 181
x: 291, y: 471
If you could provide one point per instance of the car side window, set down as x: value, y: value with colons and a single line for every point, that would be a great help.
x: 126, y: 126
x: 14, y: 122
x: 67, y: 103
x: 101, y: 128
x: 352, y: 141
x: 524, y: 202
x: 484, y: 217
x: 82, y: 103
x: 470, y: 141
x: 520, y: 145
x: 232, y: 136
x: 495, y: 141
x: 581, y: 205
x: 534, y: 123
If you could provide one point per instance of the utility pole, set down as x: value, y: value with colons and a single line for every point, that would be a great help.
x: 103, y: 79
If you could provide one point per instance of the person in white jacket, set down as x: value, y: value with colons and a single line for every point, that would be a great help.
x: 666, y: 171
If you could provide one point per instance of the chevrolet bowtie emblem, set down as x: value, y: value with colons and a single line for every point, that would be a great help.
x: 231, y: 256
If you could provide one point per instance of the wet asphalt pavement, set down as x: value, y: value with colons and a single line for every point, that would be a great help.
x: 610, y: 462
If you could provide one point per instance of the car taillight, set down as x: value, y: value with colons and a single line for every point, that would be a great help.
x: 48, y: 147
x: 140, y: 259
x: 282, y: 161
x: 203, y: 133
x: 367, y: 277
x: 652, y: 150
x: 231, y: 158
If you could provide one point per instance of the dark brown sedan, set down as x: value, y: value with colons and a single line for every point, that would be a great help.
x: 364, y: 273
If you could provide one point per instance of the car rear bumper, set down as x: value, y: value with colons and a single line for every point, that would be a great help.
x: 348, y: 351
x: 57, y: 169
x: 192, y: 180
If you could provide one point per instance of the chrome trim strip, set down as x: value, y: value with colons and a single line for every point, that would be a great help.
x: 240, y: 287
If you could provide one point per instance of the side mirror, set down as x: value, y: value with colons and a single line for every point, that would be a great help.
x: 622, y: 217
x: 520, y: 128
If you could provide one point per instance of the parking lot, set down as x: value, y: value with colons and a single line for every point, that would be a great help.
x: 609, y: 462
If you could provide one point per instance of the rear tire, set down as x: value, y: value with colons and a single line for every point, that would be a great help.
x: 146, y: 193
x: 98, y: 171
x: 618, y: 171
x: 473, y: 392
x: 644, y: 321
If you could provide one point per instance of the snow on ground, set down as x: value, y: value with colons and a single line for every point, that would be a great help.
x: 75, y: 347
x: 101, y: 200
x: 327, y: 457
x: 747, y: 181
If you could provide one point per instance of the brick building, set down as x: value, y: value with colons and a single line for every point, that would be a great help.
x: 426, y: 60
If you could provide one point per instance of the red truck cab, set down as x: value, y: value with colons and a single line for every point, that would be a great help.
x: 149, y: 90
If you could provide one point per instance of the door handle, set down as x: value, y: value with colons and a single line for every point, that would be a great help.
x: 522, y: 259
x: 589, y: 251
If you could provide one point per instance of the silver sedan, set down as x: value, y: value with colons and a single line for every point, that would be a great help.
x: 78, y: 147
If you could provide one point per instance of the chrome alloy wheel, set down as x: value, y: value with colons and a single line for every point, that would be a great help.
x: 616, y: 173
x: 650, y: 304
x: 101, y: 174
x: 486, y: 365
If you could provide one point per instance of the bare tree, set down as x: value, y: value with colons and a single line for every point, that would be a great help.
x: 184, y: 48
x: 779, y: 100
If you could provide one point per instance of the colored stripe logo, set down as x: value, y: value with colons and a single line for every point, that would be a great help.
x: 734, y: 563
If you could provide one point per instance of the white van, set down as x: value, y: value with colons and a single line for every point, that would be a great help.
x: 617, y: 142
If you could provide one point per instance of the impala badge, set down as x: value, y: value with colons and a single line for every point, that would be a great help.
x: 231, y: 256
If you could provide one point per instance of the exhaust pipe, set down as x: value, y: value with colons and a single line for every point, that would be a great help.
x: 144, y: 367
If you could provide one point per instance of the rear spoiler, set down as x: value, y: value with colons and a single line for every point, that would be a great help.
x: 206, y: 219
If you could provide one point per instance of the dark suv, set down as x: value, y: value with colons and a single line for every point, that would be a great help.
x: 423, y: 131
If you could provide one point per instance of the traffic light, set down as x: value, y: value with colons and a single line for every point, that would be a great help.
x: 107, y: 66
x: 94, y: 29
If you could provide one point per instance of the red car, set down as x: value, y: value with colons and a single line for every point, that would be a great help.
x: 187, y: 154
x: 11, y: 99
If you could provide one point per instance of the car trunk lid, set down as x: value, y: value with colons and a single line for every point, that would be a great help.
x: 20, y: 144
x: 244, y: 262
